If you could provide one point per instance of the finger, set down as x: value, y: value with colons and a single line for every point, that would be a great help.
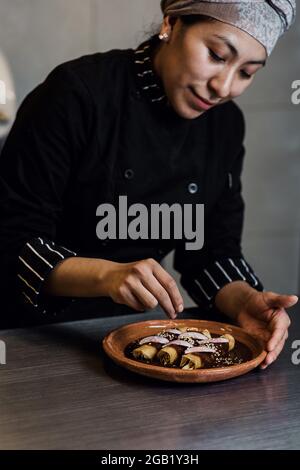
x: 278, y: 325
x: 272, y: 356
x: 143, y: 295
x: 279, y: 301
x: 160, y: 294
x: 133, y: 301
x: 150, y: 301
x: 169, y: 283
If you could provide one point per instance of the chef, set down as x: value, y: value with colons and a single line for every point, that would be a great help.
x: 158, y: 125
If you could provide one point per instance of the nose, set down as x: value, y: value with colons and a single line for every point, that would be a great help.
x: 221, y: 84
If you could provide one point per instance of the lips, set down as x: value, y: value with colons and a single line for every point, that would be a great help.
x: 202, y: 101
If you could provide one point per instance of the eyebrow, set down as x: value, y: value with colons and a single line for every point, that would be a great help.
x: 235, y: 52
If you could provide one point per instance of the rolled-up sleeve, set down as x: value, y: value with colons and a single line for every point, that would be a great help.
x: 220, y: 261
x: 43, y: 147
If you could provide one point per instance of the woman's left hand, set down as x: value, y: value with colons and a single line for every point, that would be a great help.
x: 261, y: 314
x: 264, y: 316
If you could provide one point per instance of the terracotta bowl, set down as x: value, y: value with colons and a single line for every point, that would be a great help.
x: 116, y: 341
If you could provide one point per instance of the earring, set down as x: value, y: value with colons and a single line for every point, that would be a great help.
x: 163, y: 37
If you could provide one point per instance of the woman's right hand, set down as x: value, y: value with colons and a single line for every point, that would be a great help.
x: 143, y: 285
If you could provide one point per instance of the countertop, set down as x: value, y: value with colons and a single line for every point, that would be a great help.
x: 59, y: 391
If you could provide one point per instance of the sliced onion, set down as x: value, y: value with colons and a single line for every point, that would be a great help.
x: 178, y: 342
x: 154, y: 339
x: 200, y: 349
x: 194, y: 335
x: 174, y: 331
x: 218, y: 340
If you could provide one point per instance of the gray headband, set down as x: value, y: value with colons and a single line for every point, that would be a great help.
x: 255, y: 17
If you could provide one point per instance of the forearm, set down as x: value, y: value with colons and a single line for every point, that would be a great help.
x: 79, y: 277
x: 233, y: 297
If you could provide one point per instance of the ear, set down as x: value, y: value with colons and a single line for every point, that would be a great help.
x: 173, y: 21
x: 169, y: 23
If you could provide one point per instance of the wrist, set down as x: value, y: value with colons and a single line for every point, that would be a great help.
x: 105, y: 275
x: 233, y: 297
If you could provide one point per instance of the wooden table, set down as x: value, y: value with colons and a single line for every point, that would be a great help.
x: 59, y: 391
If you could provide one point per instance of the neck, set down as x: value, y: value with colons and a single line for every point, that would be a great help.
x: 157, y: 60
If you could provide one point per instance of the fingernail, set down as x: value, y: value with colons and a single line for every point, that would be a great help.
x: 180, y: 308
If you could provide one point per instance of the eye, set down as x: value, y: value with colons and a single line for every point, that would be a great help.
x: 215, y: 57
x: 245, y: 75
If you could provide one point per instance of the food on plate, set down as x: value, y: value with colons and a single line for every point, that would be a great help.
x: 172, y: 351
x: 149, y: 346
x: 197, y: 357
x: 230, y: 339
x: 188, y: 348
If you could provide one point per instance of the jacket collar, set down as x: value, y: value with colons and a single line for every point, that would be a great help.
x: 148, y: 81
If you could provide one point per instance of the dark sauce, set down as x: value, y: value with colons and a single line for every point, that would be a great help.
x: 241, y: 353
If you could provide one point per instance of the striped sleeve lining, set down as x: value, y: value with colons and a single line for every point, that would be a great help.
x: 38, y: 257
x: 204, y: 287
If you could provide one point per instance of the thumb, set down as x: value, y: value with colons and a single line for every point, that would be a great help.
x: 279, y: 300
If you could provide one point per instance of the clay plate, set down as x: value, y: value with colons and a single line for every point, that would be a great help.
x: 116, y: 341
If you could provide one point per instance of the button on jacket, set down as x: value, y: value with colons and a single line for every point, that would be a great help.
x: 98, y: 127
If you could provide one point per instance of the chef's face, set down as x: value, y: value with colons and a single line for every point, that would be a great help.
x: 211, y: 60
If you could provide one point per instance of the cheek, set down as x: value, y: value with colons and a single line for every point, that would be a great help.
x: 194, y: 74
x: 240, y: 86
x: 199, y: 68
x: 194, y: 65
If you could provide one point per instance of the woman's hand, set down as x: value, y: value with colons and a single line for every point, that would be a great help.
x: 140, y: 285
x: 262, y: 314
x: 143, y: 285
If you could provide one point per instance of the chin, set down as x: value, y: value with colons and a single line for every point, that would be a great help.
x: 186, y: 111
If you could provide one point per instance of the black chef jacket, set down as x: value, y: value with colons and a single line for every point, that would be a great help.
x: 98, y: 127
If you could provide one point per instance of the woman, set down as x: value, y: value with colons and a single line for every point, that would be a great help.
x: 158, y: 125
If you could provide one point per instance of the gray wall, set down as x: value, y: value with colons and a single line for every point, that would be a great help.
x: 36, y: 35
